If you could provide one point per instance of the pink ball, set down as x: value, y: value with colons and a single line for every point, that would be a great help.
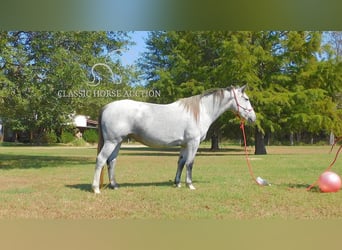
x: 329, y: 182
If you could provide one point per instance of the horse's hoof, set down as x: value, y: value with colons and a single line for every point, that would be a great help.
x: 178, y: 185
x: 115, y: 186
x: 191, y: 186
x: 96, y: 190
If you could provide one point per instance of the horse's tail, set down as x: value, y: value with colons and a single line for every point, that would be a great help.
x: 100, y: 145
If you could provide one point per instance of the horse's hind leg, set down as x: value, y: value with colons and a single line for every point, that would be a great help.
x: 111, y: 167
x: 101, y: 160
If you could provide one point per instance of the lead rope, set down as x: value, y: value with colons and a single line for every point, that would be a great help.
x: 242, y: 126
x: 331, y: 164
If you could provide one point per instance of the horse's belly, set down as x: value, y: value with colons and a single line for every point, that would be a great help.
x: 156, y: 143
x: 157, y: 139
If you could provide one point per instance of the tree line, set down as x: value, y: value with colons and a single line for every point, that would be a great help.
x: 36, y: 68
x: 294, y: 77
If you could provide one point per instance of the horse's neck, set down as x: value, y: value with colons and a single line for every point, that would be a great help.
x: 214, y: 107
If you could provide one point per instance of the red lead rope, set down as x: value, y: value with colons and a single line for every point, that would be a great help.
x: 331, y: 164
x: 242, y: 126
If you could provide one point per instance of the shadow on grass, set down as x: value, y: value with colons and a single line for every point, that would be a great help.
x: 87, y: 186
x: 10, y: 161
x: 82, y: 186
x: 168, y: 183
x: 302, y: 186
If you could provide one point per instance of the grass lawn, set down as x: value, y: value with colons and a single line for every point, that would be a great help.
x: 55, y: 182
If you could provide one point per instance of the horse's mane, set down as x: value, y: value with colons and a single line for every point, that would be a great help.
x: 192, y: 103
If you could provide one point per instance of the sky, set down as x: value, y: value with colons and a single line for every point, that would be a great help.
x: 130, y: 56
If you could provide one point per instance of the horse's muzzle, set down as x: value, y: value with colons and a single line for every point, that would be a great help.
x: 252, y: 118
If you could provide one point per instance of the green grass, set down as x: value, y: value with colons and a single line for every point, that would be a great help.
x: 55, y: 182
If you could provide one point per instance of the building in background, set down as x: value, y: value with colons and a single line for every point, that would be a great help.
x: 80, y: 122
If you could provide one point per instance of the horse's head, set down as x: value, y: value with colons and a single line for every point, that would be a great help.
x: 243, y: 107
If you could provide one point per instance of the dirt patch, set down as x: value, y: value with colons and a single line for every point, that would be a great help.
x: 17, y: 182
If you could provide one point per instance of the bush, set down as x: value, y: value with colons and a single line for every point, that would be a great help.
x: 67, y: 137
x: 90, y: 136
x: 79, y: 142
x: 47, y: 137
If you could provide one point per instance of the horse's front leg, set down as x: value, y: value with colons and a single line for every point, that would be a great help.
x: 192, y: 150
x: 189, y: 175
x: 181, y: 163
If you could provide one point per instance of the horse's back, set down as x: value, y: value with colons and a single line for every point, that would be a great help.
x: 151, y: 124
x: 129, y: 109
x: 120, y: 113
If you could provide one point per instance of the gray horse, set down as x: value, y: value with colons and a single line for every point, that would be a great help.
x: 182, y: 123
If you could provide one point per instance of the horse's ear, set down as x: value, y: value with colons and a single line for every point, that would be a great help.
x: 243, y: 88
